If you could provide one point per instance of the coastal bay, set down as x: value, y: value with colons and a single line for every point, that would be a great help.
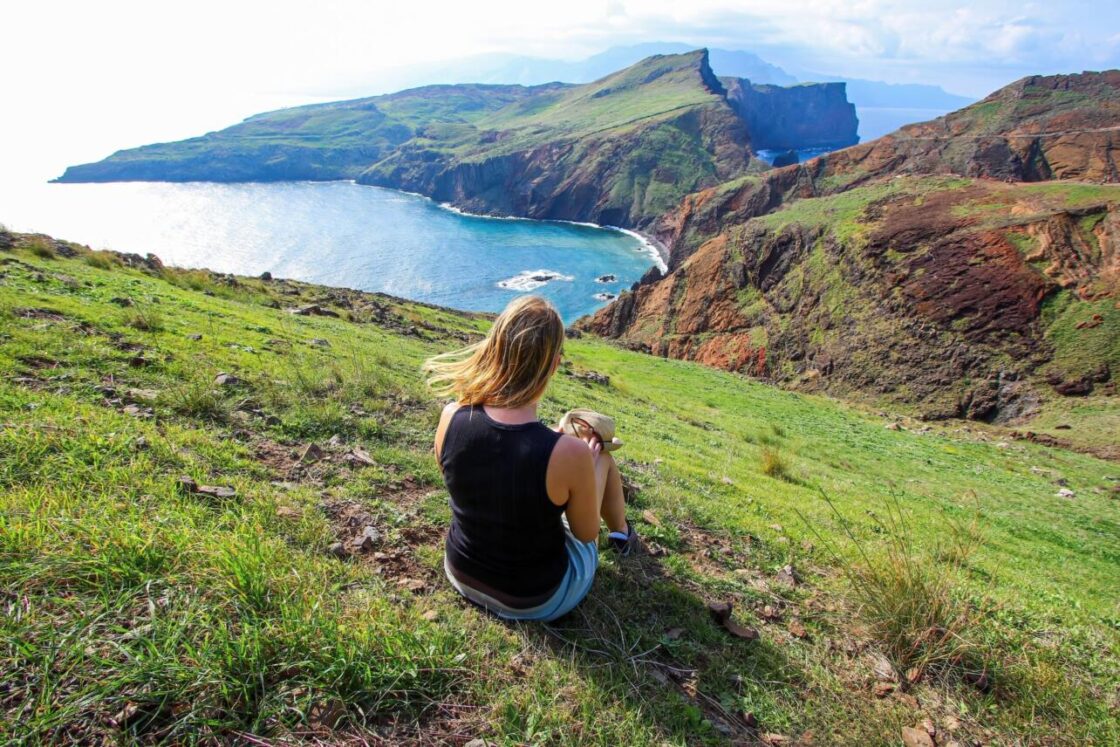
x: 341, y: 233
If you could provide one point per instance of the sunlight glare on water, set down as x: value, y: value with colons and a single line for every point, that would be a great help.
x: 342, y: 234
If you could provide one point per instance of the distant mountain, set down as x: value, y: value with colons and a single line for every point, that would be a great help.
x: 969, y: 265
x: 620, y: 151
x: 530, y: 71
x: 506, y: 68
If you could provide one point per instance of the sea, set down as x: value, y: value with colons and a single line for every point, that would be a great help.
x: 356, y: 236
x: 341, y: 234
x: 874, y: 122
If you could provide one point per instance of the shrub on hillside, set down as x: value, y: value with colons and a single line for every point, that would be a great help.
x: 909, y: 600
x: 40, y: 248
x: 145, y: 318
x: 197, y: 398
x: 774, y: 464
x: 102, y: 260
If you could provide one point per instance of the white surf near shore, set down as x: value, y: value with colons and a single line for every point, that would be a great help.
x: 649, y: 246
x: 528, y: 280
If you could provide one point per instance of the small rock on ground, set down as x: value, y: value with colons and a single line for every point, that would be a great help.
x: 916, y: 737
x: 311, y: 453
x: 787, y: 576
x: 225, y: 379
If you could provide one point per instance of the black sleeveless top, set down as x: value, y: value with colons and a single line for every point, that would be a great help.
x: 505, y: 532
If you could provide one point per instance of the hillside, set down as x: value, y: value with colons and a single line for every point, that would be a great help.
x: 623, y: 150
x: 221, y: 521
x: 966, y: 267
x: 619, y: 151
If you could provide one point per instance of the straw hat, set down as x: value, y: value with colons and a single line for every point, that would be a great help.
x: 575, y: 423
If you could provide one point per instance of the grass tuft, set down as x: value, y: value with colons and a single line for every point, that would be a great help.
x: 40, y: 248
x: 913, y: 604
x: 774, y: 464
x: 197, y: 398
x: 145, y: 317
x: 102, y: 260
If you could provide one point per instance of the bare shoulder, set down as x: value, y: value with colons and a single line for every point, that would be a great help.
x: 444, y: 421
x: 569, y: 459
x: 569, y: 450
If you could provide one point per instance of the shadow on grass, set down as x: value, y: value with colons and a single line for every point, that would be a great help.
x: 654, y: 645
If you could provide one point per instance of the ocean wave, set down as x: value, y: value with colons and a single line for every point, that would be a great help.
x: 528, y: 280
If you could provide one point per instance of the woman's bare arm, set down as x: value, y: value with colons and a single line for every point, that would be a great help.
x: 441, y: 430
x: 572, y: 484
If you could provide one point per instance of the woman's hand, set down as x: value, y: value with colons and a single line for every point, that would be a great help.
x: 594, y: 443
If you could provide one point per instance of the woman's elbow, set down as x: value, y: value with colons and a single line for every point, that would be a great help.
x: 585, y: 534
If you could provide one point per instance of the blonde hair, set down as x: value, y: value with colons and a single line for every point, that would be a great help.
x: 511, y: 366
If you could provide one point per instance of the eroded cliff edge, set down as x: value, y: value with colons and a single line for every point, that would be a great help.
x: 967, y: 265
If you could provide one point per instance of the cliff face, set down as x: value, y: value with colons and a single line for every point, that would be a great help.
x: 602, y: 178
x: 812, y: 115
x: 1037, y: 129
x: 890, y: 268
x: 622, y: 150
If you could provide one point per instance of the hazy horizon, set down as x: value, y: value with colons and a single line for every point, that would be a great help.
x: 85, y: 80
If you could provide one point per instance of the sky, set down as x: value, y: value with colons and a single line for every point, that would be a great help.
x: 80, y: 80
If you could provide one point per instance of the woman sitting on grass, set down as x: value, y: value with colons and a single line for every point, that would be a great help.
x: 512, y: 478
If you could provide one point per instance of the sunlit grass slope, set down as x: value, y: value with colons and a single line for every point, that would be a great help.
x: 135, y: 607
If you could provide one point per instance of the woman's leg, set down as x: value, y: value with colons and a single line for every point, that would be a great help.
x: 608, y: 483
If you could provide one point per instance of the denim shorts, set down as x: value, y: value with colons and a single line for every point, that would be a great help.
x: 583, y: 559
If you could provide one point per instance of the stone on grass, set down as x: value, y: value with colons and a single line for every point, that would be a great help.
x: 916, y: 737
x: 721, y: 614
x: 359, y: 457
x: 312, y: 310
x: 226, y: 379
x: 216, y: 491
x: 883, y: 669
x: 775, y: 740
x: 367, y: 540
x: 311, y: 453
x: 787, y: 576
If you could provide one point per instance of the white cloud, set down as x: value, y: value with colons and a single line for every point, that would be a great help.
x: 98, y: 76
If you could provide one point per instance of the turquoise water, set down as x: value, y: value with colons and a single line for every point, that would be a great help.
x: 341, y: 234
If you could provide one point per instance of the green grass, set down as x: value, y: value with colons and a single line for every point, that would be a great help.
x: 133, y: 611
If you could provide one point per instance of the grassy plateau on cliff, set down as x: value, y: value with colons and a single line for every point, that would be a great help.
x: 221, y: 521
x: 623, y: 149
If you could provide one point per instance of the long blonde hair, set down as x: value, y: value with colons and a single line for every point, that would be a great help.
x: 511, y: 366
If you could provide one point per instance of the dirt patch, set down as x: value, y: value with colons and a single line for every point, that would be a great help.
x: 39, y: 313
x: 391, y: 551
x: 440, y: 725
x: 38, y: 363
x: 1111, y: 453
x: 282, y: 460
